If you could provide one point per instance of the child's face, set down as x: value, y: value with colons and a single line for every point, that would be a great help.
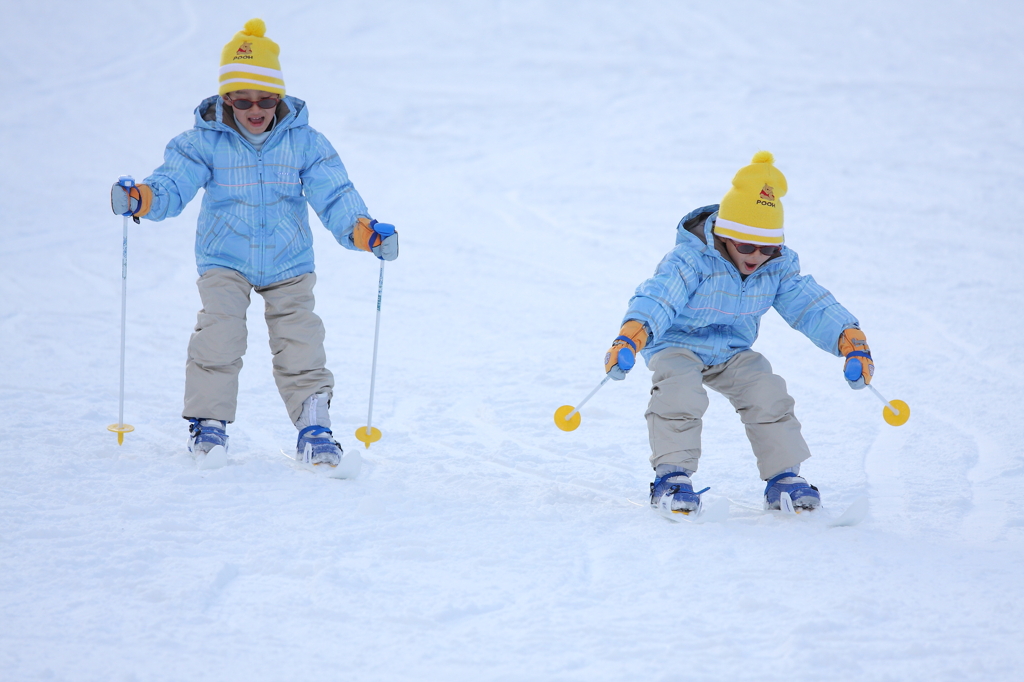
x: 745, y: 263
x: 255, y: 119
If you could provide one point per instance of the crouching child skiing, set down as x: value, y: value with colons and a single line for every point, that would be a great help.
x: 260, y: 163
x: 694, y: 322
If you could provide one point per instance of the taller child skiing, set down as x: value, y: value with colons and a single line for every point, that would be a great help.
x: 260, y: 162
x: 695, y: 320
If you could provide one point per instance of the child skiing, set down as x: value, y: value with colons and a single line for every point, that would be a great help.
x: 253, y: 152
x: 695, y: 320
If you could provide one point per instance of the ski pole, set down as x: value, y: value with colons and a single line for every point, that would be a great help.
x: 120, y: 428
x: 369, y: 434
x: 568, y: 418
x: 895, y: 412
x: 886, y: 402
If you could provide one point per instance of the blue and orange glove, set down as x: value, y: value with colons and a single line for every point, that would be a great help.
x: 380, y: 239
x: 130, y: 199
x: 859, y: 366
x: 621, y: 357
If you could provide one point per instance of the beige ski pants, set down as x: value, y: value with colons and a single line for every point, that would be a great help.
x: 678, y: 403
x: 216, y: 348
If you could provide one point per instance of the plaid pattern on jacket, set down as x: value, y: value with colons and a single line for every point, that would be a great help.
x: 254, y: 217
x: 697, y: 299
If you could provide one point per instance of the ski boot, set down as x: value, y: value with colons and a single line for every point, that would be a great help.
x: 673, y: 493
x: 803, y: 494
x: 208, y: 442
x: 317, y: 446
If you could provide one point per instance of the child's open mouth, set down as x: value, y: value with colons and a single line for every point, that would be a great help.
x: 256, y: 121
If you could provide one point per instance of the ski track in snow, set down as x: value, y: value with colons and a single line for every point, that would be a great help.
x: 535, y: 158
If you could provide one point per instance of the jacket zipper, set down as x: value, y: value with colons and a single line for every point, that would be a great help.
x: 263, y: 220
x: 262, y: 237
x: 263, y: 204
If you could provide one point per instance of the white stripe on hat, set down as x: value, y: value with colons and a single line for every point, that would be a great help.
x: 776, y: 235
x: 740, y: 227
x: 249, y: 80
x: 249, y: 68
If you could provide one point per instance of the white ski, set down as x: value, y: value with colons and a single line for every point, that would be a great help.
x: 717, y: 511
x: 854, y: 514
x: 714, y: 511
x: 349, y: 467
x: 216, y: 458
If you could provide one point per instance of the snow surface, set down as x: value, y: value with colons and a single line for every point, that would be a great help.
x: 535, y: 158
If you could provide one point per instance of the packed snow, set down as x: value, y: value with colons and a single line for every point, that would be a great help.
x: 535, y: 158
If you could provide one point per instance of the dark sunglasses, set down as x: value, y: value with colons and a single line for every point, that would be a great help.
x: 747, y: 249
x: 243, y: 104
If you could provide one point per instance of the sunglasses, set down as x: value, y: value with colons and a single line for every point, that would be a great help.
x: 243, y: 104
x: 747, y: 249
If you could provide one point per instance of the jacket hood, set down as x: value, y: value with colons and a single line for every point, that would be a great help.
x: 697, y: 229
x: 212, y: 115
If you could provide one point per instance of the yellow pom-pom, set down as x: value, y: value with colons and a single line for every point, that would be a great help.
x: 255, y: 27
x: 763, y: 157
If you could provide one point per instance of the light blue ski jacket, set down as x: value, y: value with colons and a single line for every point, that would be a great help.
x: 254, y: 217
x: 698, y: 300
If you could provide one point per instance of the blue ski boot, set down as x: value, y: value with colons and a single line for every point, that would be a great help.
x: 317, y: 446
x: 673, y: 493
x: 803, y: 494
x: 208, y: 442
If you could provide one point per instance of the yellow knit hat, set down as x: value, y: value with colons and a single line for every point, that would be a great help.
x: 249, y: 61
x: 751, y: 211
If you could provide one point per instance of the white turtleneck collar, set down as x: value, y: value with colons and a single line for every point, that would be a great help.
x: 256, y: 140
